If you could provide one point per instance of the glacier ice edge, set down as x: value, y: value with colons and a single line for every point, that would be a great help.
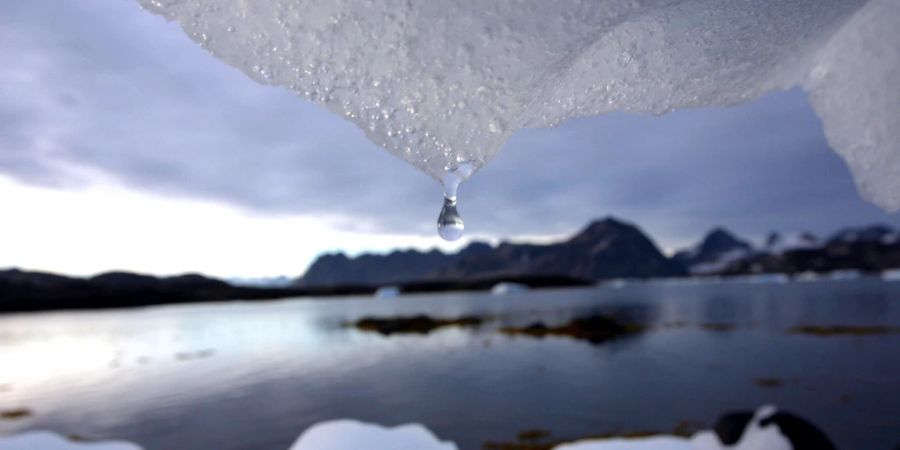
x: 448, y: 81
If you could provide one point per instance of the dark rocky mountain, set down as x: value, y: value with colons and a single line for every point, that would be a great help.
x: 718, y: 248
x: 605, y: 249
x: 372, y: 269
x: 35, y: 291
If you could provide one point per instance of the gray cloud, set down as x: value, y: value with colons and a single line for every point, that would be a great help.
x: 106, y: 86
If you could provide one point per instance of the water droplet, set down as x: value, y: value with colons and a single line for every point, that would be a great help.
x: 450, y: 223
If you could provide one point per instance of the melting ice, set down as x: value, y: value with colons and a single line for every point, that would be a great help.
x: 441, y: 82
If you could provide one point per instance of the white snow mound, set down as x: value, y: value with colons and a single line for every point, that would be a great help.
x: 354, y: 435
x: 444, y: 82
x: 47, y: 440
x: 754, y: 437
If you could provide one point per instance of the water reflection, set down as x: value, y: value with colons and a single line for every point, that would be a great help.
x: 250, y: 375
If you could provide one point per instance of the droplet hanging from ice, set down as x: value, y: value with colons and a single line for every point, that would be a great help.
x: 450, y: 223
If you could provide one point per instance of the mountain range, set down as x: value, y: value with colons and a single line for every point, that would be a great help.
x: 611, y: 248
x: 606, y: 249
x: 22, y: 290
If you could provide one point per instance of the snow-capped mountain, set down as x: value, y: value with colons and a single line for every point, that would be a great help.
x: 716, y: 251
x: 871, y: 234
x: 867, y: 249
x: 778, y: 243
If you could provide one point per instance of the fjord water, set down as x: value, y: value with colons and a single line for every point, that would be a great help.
x: 247, y: 376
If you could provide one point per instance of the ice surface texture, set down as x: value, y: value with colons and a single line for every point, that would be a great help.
x: 441, y: 82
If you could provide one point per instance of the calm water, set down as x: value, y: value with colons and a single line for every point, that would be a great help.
x: 248, y: 376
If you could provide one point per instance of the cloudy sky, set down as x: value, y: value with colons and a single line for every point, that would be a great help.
x: 123, y: 145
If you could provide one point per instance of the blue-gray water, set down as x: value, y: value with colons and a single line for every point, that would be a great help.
x: 248, y: 376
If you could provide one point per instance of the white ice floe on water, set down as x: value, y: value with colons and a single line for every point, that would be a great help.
x: 762, y: 278
x: 387, y: 292
x: 508, y: 287
x: 444, y: 83
x: 808, y: 276
x: 46, y: 440
x: 844, y: 275
x: 891, y: 275
x: 354, y: 435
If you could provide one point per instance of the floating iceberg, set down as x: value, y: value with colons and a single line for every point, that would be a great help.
x: 387, y: 292
x: 444, y: 83
x: 845, y: 275
x: 508, y: 287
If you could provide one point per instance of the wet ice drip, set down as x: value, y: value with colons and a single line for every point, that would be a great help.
x: 442, y: 81
x: 450, y: 224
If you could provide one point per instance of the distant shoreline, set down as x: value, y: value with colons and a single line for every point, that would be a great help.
x: 28, y: 291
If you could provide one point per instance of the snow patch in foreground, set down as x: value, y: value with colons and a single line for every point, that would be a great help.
x: 47, y: 440
x: 755, y: 437
x: 444, y: 83
x: 355, y: 435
